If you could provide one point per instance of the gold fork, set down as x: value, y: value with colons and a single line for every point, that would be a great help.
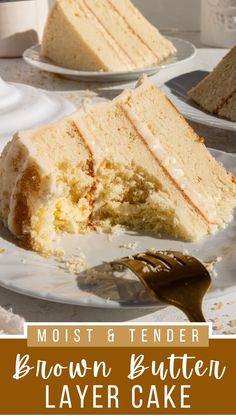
x: 177, y: 279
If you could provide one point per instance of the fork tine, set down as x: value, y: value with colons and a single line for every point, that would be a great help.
x: 136, y: 266
x: 189, y: 260
x: 183, y: 285
x: 153, y: 261
x: 182, y: 257
x: 167, y: 259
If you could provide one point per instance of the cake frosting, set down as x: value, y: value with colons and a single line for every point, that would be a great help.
x: 133, y: 162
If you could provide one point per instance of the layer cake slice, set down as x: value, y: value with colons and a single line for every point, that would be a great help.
x: 216, y: 93
x: 102, y: 35
x: 133, y: 161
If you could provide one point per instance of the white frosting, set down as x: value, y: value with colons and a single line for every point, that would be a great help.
x: 96, y: 151
x: 178, y: 172
x: 169, y: 161
x: 13, y: 197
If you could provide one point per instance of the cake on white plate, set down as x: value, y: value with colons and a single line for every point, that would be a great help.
x: 216, y: 93
x: 133, y: 161
x: 102, y: 35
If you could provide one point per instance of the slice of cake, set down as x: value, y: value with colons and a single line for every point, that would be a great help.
x: 216, y: 93
x: 133, y: 161
x: 102, y: 35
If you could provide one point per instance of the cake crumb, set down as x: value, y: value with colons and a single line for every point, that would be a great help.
x: 129, y: 246
x: 2, y: 251
x: 215, y: 320
x: 74, y: 264
x: 210, y: 265
x: 117, y: 230
x: 111, y: 231
x: 232, y: 323
x: 217, y: 306
x: 59, y: 253
x: 230, y: 303
x: 218, y: 328
x: 152, y: 250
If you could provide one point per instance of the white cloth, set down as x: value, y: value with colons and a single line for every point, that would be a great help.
x: 10, y: 323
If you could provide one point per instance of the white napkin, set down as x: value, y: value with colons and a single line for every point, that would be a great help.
x: 10, y: 323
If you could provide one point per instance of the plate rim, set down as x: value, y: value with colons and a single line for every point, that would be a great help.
x: 104, y: 304
x: 67, y: 72
x: 109, y: 306
x: 216, y: 123
x: 66, y: 108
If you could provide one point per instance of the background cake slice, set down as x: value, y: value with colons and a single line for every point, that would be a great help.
x: 102, y: 35
x: 133, y: 162
x: 160, y: 47
x: 218, y: 88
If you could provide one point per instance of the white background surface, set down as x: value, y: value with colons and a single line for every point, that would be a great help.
x: 184, y: 14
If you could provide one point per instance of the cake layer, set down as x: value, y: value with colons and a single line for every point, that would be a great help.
x: 147, y: 33
x: 73, y: 40
x: 121, y: 32
x: 98, y: 35
x: 216, y: 89
x: 133, y: 161
x: 197, y: 173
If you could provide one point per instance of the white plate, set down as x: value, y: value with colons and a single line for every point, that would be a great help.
x: 177, y: 90
x: 23, y: 107
x: 28, y: 273
x: 185, y: 51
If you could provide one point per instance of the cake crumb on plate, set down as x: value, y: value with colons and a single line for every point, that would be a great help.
x: 74, y: 264
x: 129, y: 246
x: 217, y: 306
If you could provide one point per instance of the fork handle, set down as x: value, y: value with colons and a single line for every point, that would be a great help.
x: 195, y: 314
